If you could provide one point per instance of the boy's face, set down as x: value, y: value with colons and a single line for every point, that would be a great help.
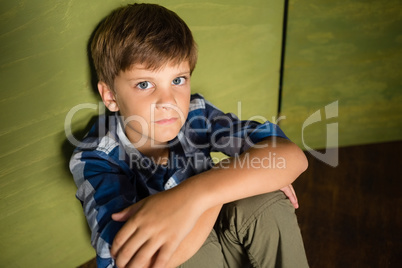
x: 154, y: 104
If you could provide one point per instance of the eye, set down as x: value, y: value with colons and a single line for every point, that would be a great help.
x: 179, y: 81
x: 144, y: 85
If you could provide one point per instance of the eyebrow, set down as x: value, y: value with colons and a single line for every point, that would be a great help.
x: 142, y: 78
x: 150, y: 77
x: 185, y: 72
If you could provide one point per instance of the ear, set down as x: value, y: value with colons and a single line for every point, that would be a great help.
x: 108, y: 97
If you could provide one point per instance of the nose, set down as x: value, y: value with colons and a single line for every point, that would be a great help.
x: 166, y: 99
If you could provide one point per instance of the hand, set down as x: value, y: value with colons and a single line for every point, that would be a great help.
x: 290, y: 193
x: 154, y: 229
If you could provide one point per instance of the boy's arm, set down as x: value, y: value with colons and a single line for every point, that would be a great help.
x: 257, y: 171
x: 161, y: 222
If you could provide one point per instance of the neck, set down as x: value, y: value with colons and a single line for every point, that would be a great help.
x: 156, y: 151
x: 159, y: 155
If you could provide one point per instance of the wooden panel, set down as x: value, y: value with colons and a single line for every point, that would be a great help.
x: 44, y: 73
x: 350, y: 215
x: 350, y: 52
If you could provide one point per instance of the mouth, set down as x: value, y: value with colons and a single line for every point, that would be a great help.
x: 167, y: 121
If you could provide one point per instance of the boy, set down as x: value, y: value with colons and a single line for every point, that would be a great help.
x: 149, y: 190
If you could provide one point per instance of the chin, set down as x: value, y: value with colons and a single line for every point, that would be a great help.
x: 166, y: 136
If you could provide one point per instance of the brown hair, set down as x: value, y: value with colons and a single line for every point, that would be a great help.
x: 141, y: 33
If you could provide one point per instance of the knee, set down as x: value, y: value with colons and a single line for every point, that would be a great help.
x: 255, y: 205
x: 270, y: 207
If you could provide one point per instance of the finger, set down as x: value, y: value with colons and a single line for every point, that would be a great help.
x: 164, y: 255
x: 126, y: 213
x: 146, y: 255
x: 121, y: 215
x: 129, y: 249
x: 150, y: 263
x: 293, y: 190
x: 294, y: 197
x: 288, y: 191
x: 126, y: 232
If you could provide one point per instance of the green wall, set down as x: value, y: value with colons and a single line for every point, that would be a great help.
x: 345, y: 51
x: 44, y: 73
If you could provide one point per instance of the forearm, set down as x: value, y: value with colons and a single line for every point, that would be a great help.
x: 257, y: 171
x: 195, y: 239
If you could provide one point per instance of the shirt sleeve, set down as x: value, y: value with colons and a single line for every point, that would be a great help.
x: 232, y: 136
x: 103, y: 189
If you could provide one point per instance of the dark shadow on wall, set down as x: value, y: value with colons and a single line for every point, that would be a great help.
x: 93, y: 75
x: 67, y: 147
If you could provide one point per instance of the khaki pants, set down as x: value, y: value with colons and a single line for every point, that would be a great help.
x: 259, y: 231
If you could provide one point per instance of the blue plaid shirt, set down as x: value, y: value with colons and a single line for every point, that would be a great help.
x: 111, y: 173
